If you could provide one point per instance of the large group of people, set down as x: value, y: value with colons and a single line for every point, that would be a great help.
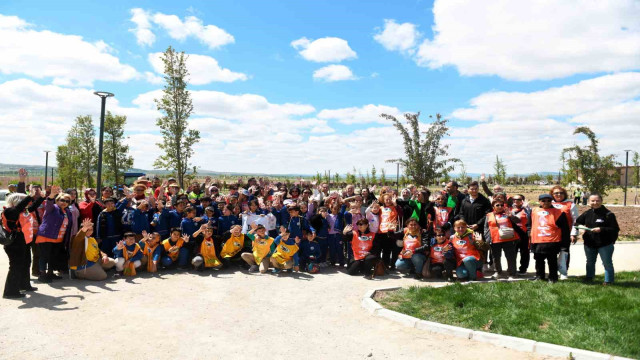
x: 262, y: 226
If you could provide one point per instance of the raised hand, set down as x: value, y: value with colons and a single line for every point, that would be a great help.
x: 254, y: 226
x: 55, y: 190
x: 145, y: 234
x: 482, y: 177
x: 120, y: 245
x: 185, y: 238
x: 347, y: 229
x: 22, y: 174
x: 86, y: 225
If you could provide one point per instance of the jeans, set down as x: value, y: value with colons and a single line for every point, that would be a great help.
x: 468, y: 268
x: 417, y: 260
x: 606, y: 255
x: 324, y: 248
x: 335, y: 249
x: 183, y: 258
x: 563, y: 261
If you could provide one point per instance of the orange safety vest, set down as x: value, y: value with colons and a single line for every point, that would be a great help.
x: 437, y: 254
x: 29, y: 225
x: 464, y: 247
x: 442, y: 216
x: 131, y: 269
x: 388, y: 219
x: 172, y: 254
x: 208, y: 253
x: 361, y: 244
x: 410, y: 242
x: 148, y: 252
x: 543, y: 225
x: 496, y: 223
x: 522, y: 215
x: 565, y: 206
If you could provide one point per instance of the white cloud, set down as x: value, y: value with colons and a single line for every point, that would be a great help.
x: 153, y: 78
x: 203, y: 69
x: 210, y: 35
x: 333, y: 73
x: 68, y: 59
x: 327, y: 49
x: 361, y: 115
x: 143, y: 32
x: 398, y: 37
x: 530, y: 129
x: 526, y: 41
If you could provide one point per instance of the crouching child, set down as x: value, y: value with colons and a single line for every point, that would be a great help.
x: 262, y: 247
x: 128, y: 255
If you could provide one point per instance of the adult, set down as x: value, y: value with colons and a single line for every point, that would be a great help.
x: 474, y: 207
x: 90, y: 208
x: 365, y: 245
x: 85, y: 257
x: 106, y: 193
x: 497, y: 189
x: 53, y: 234
x: 561, y: 201
x: 454, y: 197
x: 422, y: 210
x: 549, y: 233
x: 414, y: 246
x: 524, y: 214
x: 18, y: 251
x: 75, y: 210
x: 600, y: 239
x: 390, y: 218
x: 501, y: 227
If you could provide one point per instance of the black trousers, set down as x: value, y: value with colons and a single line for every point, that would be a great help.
x: 552, y: 259
x: 509, y: 248
x: 447, y: 267
x: 19, y: 261
x: 525, y: 256
x: 389, y: 250
x: 364, y: 265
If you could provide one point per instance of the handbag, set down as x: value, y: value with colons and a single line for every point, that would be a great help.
x: 506, y: 233
x: 379, y: 269
x: 6, y: 237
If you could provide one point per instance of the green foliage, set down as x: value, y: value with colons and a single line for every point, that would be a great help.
x: 533, y: 178
x: 383, y: 177
x: 425, y: 157
x: 77, y: 158
x: 598, y: 173
x: 635, y: 173
x: 336, y: 178
x: 373, y: 179
x: 116, y: 154
x: 501, y: 171
x: 463, y: 177
x: 568, y: 313
x: 176, y: 105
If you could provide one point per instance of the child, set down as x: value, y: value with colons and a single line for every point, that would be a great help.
x: 205, y: 257
x: 469, y: 261
x: 151, y: 250
x: 233, y: 244
x: 261, y: 244
x: 160, y: 222
x: 128, y: 255
x: 210, y: 218
x: 174, y: 250
x: 189, y: 225
x: 284, y: 256
x: 320, y: 224
x: 441, y: 256
x: 227, y: 220
x: 310, y: 254
x: 335, y: 220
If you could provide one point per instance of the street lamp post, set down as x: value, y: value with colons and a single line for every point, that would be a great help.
x: 103, y: 96
x: 626, y: 174
x: 46, y: 168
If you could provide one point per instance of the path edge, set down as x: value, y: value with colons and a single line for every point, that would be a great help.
x: 510, y: 342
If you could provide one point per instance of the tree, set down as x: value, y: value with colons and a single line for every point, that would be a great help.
x: 463, y: 177
x: 635, y: 175
x: 598, y: 173
x: 383, y: 177
x: 501, y: 171
x: 426, y: 159
x: 84, y: 137
x: 374, y: 180
x: 116, y: 154
x: 178, y: 139
x: 68, y: 174
x: 336, y: 178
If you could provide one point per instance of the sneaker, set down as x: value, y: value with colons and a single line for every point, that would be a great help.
x: 538, y: 278
x: 253, y: 268
x: 451, y: 279
x: 418, y: 276
x: 53, y: 276
x: 563, y: 277
x: 275, y: 271
x: 522, y: 272
x: 496, y: 275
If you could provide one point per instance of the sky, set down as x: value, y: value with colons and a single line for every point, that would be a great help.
x: 291, y: 86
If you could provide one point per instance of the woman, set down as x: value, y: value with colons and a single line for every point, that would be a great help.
x: 365, y: 246
x: 561, y: 201
x: 413, y: 250
x: 53, y: 233
x: 15, y: 219
x: 75, y: 210
x: 501, y: 227
x: 389, y: 223
x: 549, y: 234
x: 89, y: 208
x: 600, y: 239
x: 107, y: 193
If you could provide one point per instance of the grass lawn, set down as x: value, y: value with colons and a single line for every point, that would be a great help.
x: 569, y: 313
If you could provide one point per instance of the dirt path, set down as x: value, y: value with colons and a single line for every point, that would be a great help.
x: 229, y: 316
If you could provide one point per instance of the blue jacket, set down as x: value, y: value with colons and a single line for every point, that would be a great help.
x: 140, y: 222
x: 175, y: 218
x: 110, y: 222
x: 52, y: 221
x: 189, y: 226
x: 310, y: 248
x: 226, y: 222
x: 296, y: 227
x: 161, y: 223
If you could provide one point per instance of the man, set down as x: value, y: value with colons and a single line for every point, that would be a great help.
x: 474, y: 207
x: 454, y: 197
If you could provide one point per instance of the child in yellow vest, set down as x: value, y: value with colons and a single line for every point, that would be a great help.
x: 128, y: 255
x: 151, y: 251
x: 234, y: 243
x: 286, y: 251
x: 174, y: 250
x: 206, y: 257
x: 262, y: 246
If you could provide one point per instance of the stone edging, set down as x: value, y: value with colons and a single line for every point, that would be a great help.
x: 510, y: 342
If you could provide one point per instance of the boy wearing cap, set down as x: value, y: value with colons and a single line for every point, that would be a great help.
x: 109, y: 224
x: 128, y: 255
x: 262, y: 247
x: 205, y: 257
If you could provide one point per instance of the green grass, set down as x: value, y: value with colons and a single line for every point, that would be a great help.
x: 569, y: 313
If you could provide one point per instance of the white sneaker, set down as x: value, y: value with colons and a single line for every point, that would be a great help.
x: 563, y: 277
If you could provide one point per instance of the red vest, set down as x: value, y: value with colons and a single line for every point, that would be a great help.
x: 442, y: 216
x: 410, y: 242
x: 388, y: 219
x: 522, y: 215
x: 496, y: 222
x: 543, y: 225
x: 565, y: 206
x: 361, y: 244
x: 464, y: 247
x: 437, y: 254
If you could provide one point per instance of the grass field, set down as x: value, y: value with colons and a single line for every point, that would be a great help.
x: 569, y: 313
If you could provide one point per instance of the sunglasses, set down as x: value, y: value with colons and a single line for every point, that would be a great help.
x: 65, y: 201
x: 498, y: 205
x: 439, y: 235
x: 558, y: 193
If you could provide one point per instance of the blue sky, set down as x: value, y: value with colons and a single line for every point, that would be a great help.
x: 513, y: 80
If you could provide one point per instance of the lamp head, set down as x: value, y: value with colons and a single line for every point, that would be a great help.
x: 103, y: 94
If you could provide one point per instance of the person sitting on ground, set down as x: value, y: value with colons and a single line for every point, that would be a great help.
x: 285, y: 251
x: 234, y: 243
x: 310, y: 253
x: 442, y: 257
x: 365, y: 248
x: 205, y: 252
x: 466, y: 246
x: 174, y: 250
x: 412, y: 256
x: 85, y: 258
x: 128, y: 255
x: 151, y: 250
x: 261, y: 245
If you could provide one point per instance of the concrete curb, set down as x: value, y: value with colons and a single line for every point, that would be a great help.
x: 509, y: 342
